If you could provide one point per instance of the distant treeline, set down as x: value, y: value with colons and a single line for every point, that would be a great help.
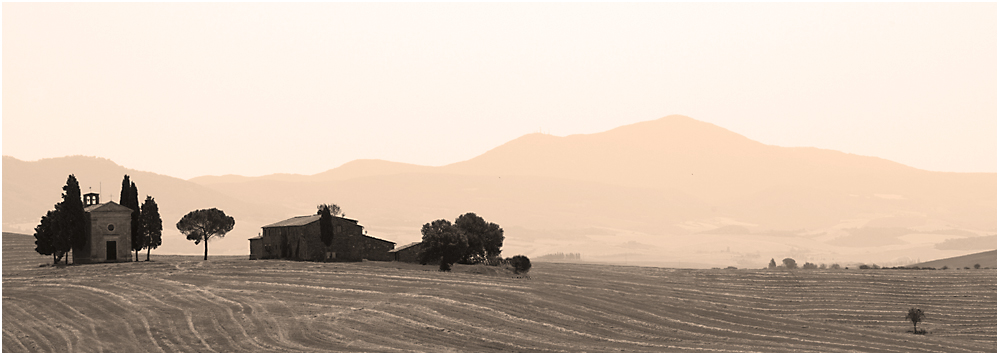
x: 560, y: 256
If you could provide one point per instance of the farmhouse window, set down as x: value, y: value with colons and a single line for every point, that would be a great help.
x: 111, y: 228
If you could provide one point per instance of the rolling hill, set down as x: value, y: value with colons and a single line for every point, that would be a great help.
x: 657, y: 183
x: 986, y: 259
x: 182, y: 304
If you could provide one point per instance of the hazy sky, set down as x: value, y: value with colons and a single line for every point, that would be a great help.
x: 191, y: 89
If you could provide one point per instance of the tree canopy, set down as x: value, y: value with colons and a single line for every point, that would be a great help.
x: 150, y: 225
x: 46, y: 237
x: 485, y: 239
x: 202, y: 225
x: 444, y: 242
x: 790, y: 263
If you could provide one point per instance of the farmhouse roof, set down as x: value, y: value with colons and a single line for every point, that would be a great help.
x: 295, y: 221
x: 107, y: 207
x: 301, y: 221
x: 404, y: 247
x: 380, y: 239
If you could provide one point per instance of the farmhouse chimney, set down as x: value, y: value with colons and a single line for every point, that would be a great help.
x: 91, y: 198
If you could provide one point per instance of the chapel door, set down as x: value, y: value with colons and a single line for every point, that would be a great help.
x: 112, y: 250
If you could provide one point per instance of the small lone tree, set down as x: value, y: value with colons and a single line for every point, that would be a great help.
x: 772, y: 265
x: 521, y: 264
x: 978, y: 266
x: 809, y: 266
x: 790, y: 263
x: 915, y: 315
x: 202, y: 225
x: 150, y: 225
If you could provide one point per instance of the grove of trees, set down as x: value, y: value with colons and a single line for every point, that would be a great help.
x: 202, y: 225
x: 470, y: 240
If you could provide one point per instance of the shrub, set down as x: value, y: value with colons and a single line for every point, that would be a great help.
x: 978, y: 266
x: 521, y: 264
x: 809, y: 266
x: 944, y: 267
x: 790, y: 263
x: 834, y: 266
x: 864, y: 267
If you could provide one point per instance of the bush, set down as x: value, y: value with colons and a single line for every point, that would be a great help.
x: 790, y: 263
x: 834, y: 266
x: 944, y: 267
x: 521, y: 264
x: 864, y: 267
x: 978, y: 266
x: 809, y: 266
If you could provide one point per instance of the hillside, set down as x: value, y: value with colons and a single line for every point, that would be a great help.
x: 181, y: 304
x: 984, y: 259
x: 657, y: 183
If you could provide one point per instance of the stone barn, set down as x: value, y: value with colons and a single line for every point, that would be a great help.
x: 407, y: 253
x: 109, y: 232
x: 297, y: 238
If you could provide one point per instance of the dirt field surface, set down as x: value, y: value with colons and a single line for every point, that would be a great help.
x: 228, y: 304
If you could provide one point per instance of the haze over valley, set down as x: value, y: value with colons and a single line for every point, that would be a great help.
x: 673, y: 192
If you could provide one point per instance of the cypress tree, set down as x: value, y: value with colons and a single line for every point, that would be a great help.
x: 138, y: 240
x: 151, y: 226
x: 71, y: 217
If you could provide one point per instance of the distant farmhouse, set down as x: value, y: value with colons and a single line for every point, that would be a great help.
x: 407, y: 253
x: 297, y: 238
x: 109, y: 229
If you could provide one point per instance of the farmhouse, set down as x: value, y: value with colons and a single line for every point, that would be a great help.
x: 407, y: 253
x: 109, y: 229
x: 297, y: 238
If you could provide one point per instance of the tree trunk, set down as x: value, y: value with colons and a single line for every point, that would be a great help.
x: 147, y: 253
x: 206, y: 248
x: 136, y: 255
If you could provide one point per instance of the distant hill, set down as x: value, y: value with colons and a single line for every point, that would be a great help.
x: 654, y: 183
x: 985, y: 259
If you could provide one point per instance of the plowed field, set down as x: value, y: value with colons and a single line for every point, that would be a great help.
x: 181, y: 304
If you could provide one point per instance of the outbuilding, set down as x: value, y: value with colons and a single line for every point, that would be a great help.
x: 408, y: 253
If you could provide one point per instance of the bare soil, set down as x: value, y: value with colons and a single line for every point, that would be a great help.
x: 229, y: 304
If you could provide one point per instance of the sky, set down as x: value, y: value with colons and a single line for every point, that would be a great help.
x: 191, y: 89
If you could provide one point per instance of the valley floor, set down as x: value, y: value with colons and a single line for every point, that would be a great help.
x: 181, y: 304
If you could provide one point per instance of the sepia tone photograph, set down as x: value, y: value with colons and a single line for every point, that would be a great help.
x: 471, y: 177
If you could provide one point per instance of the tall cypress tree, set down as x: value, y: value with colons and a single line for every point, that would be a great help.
x: 151, y: 226
x: 71, y: 217
x: 138, y: 240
